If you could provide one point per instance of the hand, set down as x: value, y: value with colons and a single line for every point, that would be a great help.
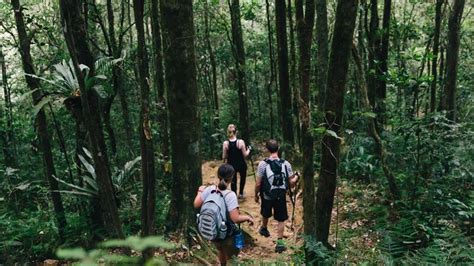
x: 201, y: 188
x: 250, y: 220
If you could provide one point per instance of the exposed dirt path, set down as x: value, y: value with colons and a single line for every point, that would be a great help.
x: 262, y: 249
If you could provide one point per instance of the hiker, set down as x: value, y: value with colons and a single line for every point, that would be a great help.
x: 208, y: 197
x: 274, y: 178
x: 234, y: 152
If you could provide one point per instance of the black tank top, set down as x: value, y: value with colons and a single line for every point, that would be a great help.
x: 235, y: 156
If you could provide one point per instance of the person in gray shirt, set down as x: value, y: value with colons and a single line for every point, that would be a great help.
x: 274, y: 177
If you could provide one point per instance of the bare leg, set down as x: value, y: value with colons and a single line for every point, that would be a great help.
x: 281, y: 229
x: 222, y: 257
x: 265, y: 222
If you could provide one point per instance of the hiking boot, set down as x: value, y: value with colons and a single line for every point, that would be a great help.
x: 280, y: 246
x: 264, y: 232
x: 241, y: 196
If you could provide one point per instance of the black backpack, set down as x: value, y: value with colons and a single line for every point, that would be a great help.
x: 275, y: 181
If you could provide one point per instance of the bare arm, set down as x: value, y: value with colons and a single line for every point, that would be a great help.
x: 198, y: 200
x: 243, y: 148
x: 225, y: 147
x: 236, y: 217
x: 294, y: 179
x: 258, y: 183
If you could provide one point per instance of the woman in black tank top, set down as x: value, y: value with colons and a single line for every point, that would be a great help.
x: 234, y: 152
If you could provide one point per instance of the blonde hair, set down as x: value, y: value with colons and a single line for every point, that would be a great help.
x: 231, y: 130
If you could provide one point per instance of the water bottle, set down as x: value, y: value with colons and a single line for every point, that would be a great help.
x: 239, y: 239
x: 223, y: 227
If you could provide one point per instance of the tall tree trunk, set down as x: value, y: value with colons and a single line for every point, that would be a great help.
x: 442, y: 78
x: 382, y: 153
x: 272, y: 69
x: 76, y: 40
x: 185, y: 127
x: 293, y: 77
x: 382, y: 58
x: 346, y: 14
x: 7, y: 133
x: 158, y: 78
x: 212, y: 59
x: 323, y: 50
x: 146, y: 142
x: 286, y: 119
x: 452, y: 54
x: 239, y: 56
x: 434, y: 64
x: 373, y: 47
x: 304, y: 25
x: 41, y: 123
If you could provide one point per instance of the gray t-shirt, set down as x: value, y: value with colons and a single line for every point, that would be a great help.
x: 229, y: 196
x: 263, y: 165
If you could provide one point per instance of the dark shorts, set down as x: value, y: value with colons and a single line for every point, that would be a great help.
x: 280, y: 212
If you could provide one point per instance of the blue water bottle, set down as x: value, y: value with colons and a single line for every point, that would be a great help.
x: 239, y: 239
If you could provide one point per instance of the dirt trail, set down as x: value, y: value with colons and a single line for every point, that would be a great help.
x: 262, y: 249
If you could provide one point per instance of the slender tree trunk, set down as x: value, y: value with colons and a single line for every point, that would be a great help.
x: 40, y: 123
x: 239, y: 56
x: 212, y: 59
x: 185, y: 127
x: 286, y: 119
x: 272, y: 69
x: 382, y: 60
x: 159, y: 79
x: 304, y: 25
x: 293, y: 77
x: 434, y: 64
x: 346, y: 14
x: 146, y: 142
x: 374, y: 41
x: 452, y: 54
x: 323, y: 50
x: 442, y: 71
x: 382, y: 153
x: 76, y: 40
x: 7, y: 131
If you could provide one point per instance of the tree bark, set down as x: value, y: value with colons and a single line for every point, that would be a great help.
x: 185, y: 127
x: 434, y: 64
x: 272, y: 68
x: 286, y: 119
x: 382, y: 59
x: 159, y: 79
x: 346, y: 14
x: 146, y: 142
x: 239, y: 56
x: 304, y: 25
x: 323, y: 50
x: 293, y: 77
x: 40, y: 121
x: 76, y: 40
x: 7, y: 132
x: 212, y: 59
x: 452, y: 54
x: 373, y: 46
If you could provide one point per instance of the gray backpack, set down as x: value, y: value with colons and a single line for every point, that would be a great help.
x: 212, y: 219
x: 275, y: 181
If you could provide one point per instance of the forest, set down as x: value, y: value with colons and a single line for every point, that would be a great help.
x: 117, y: 118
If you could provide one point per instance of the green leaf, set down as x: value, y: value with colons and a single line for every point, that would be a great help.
x: 73, y: 253
x: 332, y: 134
x: 40, y: 106
x: 140, y: 244
x: 88, y: 166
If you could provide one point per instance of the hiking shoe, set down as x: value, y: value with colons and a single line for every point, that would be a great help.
x: 264, y: 232
x: 280, y: 246
x: 241, y: 196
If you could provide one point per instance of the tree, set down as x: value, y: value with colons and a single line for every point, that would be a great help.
x: 286, y: 119
x: 40, y: 119
x: 272, y: 67
x: 158, y: 79
x: 239, y: 57
x: 185, y: 128
x: 74, y: 30
x: 452, y: 54
x: 323, y: 50
x: 6, y: 132
x: 346, y: 14
x: 304, y: 26
x: 212, y: 59
x: 293, y: 79
x: 382, y: 58
x: 373, y: 45
x: 434, y: 62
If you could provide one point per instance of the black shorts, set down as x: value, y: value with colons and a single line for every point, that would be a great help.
x: 280, y: 212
